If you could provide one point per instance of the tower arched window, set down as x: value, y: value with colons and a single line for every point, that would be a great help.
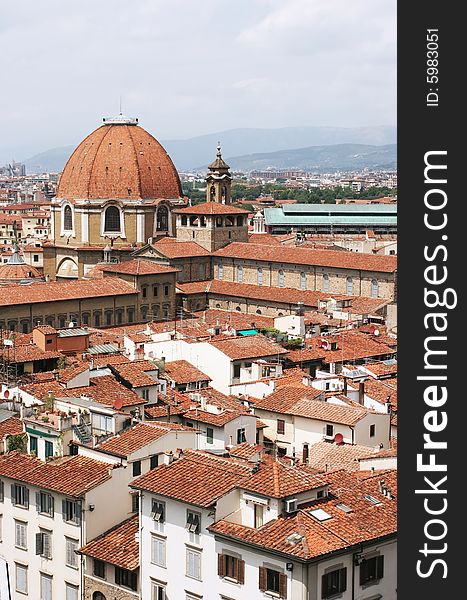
x: 212, y: 192
x: 349, y: 286
x: 67, y: 218
x: 374, y: 288
x: 112, y: 220
x: 325, y: 282
x: 162, y: 218
x: 224, y: 193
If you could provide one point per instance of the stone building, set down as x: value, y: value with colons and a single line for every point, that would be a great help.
x: 218, y: 180
x: 117, y: 189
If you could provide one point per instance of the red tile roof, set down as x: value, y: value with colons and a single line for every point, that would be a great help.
x: 171, y: 248
x: 181, y: 371
x: 328, y: 456
x: 211, y: 208
x: 55, y: 291
x: 71, y: 475
x: 305, y: 256
x: 138, y: 266
x: 133, y: 439
x: 10, y: 426
x: 252, y: 346
x: 118, y: 546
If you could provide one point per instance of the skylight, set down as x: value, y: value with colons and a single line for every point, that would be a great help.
x: 344, y: 507
x: 373, y: 500
x: 320, y: 514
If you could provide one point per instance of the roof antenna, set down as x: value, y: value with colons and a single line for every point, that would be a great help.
x: 120, y: 105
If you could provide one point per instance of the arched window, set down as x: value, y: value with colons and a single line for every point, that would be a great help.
x: 374, y: 288
x: 259, y: 276
x: 218, y: 305
x: 67, y: 219
x: 224, y: 193
x: 325, y: 282
x: 238, y: 309
x: 258, y: 312
x: 98, y: 596
x: 281, y: 278
x: 97, y: 319
x: 112, y: 219
x: 349, y: 286
x: 213, y: 193
x: 239, y: 221
x: 303, y: 280
x: 184, y: 220
x: 162, y: 218
x: 240, y: 274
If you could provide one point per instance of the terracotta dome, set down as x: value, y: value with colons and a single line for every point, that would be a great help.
x: 119, y: 160
x: 16, y: 270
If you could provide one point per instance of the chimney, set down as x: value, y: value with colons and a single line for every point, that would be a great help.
x: 345, y: 386
x: 361, y: 393
x: 168, y: 457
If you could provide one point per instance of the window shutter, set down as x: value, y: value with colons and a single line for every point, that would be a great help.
x: 51, y: 505
x: 379, y: 567
x: 78, y: 513
x: 46, y: 545
x: 133, y: 582
x: 282, y: 585
x: 221, y: 565
x: 117, y: 576
x: 64, y: 509
x: 38, y: 501
x: 26, y: 497
x: 13, y: 493
x: 363, y: 572
x: 241, y: 571
x: 39, y: 543
x: 262, y: 579
x: 324, y: 586
x: 343, y: 579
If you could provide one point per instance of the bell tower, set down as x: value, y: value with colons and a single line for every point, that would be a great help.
x: 219, y: 180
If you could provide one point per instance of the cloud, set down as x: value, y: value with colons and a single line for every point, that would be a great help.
x: 188, y: 67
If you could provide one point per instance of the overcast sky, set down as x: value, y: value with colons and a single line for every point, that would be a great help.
x: 189, y: 67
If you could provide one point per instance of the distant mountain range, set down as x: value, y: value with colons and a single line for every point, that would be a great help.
x: 194, y: 152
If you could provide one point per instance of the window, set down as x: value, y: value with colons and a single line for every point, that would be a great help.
x: 21, y: 535
x: 372, y: 430
x: 329, y: 430
x: 71, y: 559
x: 280, y: 426
x: 98, y: 568
x: 21, y: 577
x: 98, y: 596
x: 158, y: 511
x: 220, y: 271
x: 157, y: 591
x: 19, y: 495
x: 108, y: 317
x: 2, y: 491
x: 85, y: 318
x: 193, y: 563
x: 97, y: 319
x: 334, y: 582
x: 155, y: 290
x: 166, y: 290
x: 281, y: 278
x: 136, y: 468
x: 44, y: 544
x: 46, y: 587
x: 271, y: 580
x: 131, y: 315
x: 33, y: 444
x: 241, y: 437
x: 158, y: 550
x: 374, y: 288
x: 134, y: 502
x: 303, y: 281
x: 71, y: 511
x: 35, y: 258
x: 259, y: 276
x: 209, y: 435
x: 144, y: 291
x: 240, y: 274
x: 126, y: 578
x: 45, y: 503
x: 154, y: 461
x: 71, y: 591
x: 349, y: 286
x: 49, y: 449
x: 193, y: 521
x: 258, y: 515
x: 371, y: 569
x: 231, y: 567
x: 67, y: 219
x: 112, y: 219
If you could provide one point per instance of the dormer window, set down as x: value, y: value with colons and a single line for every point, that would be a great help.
x: 158, y: 511
x: 193, y: 522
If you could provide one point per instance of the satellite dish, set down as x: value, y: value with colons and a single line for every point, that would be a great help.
x: 339, y: 438
x: 118, y: 403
